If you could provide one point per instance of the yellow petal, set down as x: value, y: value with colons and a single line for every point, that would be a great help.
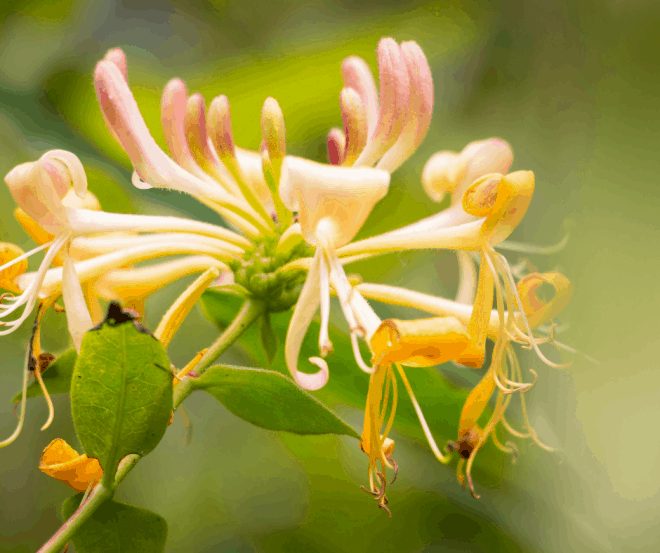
x: 31, y: 227
x: 476, y: 402
x: 60, y: 461
x: 503, y: 200
x: 8, y: 276
x: 538, y: 310
x: 474, y: 354
x: 420, y: 342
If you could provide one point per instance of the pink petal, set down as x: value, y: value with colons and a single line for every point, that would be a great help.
x: 357, y: 75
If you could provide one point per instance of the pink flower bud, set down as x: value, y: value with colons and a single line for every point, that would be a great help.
x: 219, y: 121
x: 357, y: 75
x: 355, y: 124
x: 336, y: 145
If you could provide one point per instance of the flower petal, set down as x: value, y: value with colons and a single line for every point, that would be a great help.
x: 60, y: 461
x: 303, y: 313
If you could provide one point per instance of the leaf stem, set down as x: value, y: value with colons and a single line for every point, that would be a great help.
x: 85, y: 510
x: 249, y: 312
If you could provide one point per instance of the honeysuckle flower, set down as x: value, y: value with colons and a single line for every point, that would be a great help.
x: 499, y: 203
x: 295, y: 224
x: 333, y: 201
x: 432, y: 341
x: 385, y: 127
x: 41, y: 190
x: 60, y: 461
x: 416, y: 343
x: 185, y: 125
x: 501, y: 378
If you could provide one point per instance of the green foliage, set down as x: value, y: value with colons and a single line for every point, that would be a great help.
x: 57, y: 377
x: 117, y: 528
x: 121, y: 392
x: 270, y: 400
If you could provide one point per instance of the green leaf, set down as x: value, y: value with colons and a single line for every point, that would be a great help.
x: 270, y: 400
x: 57, y: 377
x: 440, y: 398
x: 121, y: 391
x: 268, y: 338
x: 117, y: 528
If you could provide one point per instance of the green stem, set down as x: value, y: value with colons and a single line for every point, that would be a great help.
x: 250, y: 312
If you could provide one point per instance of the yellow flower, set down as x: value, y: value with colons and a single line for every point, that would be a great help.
x: 504, y: 376
x: 60, y: 461
x: 10, y: 252
x: 416, y: 343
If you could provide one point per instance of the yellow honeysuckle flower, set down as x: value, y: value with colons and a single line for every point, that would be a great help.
x: 415, y: 343
x: 9, y: 253
x: 504, y: 376
x: 60, y: 461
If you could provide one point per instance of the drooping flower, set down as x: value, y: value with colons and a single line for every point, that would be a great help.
x: 60, y: 461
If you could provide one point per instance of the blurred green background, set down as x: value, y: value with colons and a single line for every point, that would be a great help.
x: 573, y: 85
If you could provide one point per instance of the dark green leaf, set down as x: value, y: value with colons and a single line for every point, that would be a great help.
x: 57, y: 377
x: 268, y: 338
x: 118, y: 528
x: 121, y: 392
x: 270, y: 400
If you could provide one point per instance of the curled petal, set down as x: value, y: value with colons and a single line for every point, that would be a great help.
x: 357, y: 75
x: 60, y: 461
x: 539, y: 310
x: 420, y: 342
x: 502, y: 200
x: 420, y: 108
x: 306, y: 307
x: 342, y: 196
x: 39, y: 187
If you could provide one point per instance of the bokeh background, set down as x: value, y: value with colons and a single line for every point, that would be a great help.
x: 573, y: 85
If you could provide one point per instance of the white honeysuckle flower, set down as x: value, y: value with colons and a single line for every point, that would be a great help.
x: 43, y: 191
x: 333, y: 203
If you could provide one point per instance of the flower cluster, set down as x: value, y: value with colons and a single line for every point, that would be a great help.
x: 288, y: 232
